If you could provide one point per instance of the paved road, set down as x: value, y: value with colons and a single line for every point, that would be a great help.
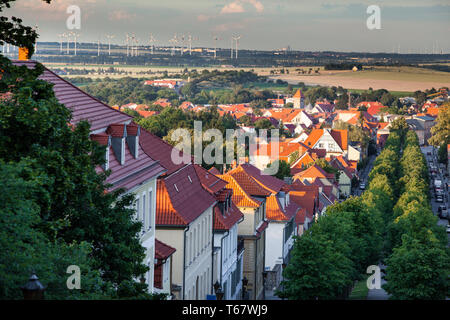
x: 363, y: 176
x: 440, y: 175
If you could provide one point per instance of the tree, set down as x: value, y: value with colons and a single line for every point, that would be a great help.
x: 441, y: 130
x: 25, y: 248
x: 14, y: 32
x: 315, y: 271
x: 73, y: 204
x: 418, y: 270
x: 284, y: 170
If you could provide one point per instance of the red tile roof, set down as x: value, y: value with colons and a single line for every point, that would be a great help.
x: 209, y: 181
x: 227, y: 220
x: 240, y: 197
x: 275, y: 211
x: 269, y: 182
x: 181, y: 198
x: 101, y: 138
x: 160, y: 150
x: 162, y: 250
x: 298, y: 94
x: 82, y: 105
x: 261, y: 228
x: 248, y: 183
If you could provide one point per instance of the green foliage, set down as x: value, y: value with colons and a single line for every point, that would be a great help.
x: 441, y: 130
x: 73, y: 207
x: 12, y: 30
x: 284, y: 170
x: 419, y: 263
x: 315, y: 271
x: 25, y: 248
x: 418, y: 269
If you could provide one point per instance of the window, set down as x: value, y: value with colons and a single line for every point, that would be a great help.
x: 195, y: 243
x: 150, y: 209
x: 144, y: 218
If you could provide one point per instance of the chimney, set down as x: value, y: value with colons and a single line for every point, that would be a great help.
x: 118, y: 134
x: 23, y: 53
x: 133, y: 133
x: 104, y: 140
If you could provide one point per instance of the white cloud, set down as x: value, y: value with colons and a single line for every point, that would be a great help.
x: 238, y: 7
x: 233, y: 7
x: 120, y: 15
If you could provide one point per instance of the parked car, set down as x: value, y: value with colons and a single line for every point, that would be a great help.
x: 362, y: 186
x: 448, y: 228
x: 442, y: 210
x: 439, y: 198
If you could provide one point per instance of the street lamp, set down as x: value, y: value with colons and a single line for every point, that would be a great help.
x: 33, y: 289
x: 244, y: 286
x: 218, y: 291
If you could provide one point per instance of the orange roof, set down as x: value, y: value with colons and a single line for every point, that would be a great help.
x: 240, y: 197
x: 298, y: 94
x: 275, y: 211
x: 147, y: 114
x: 433, y: 111
x: 314, y: 171
x: 248, y: 183
x: 313, y: 137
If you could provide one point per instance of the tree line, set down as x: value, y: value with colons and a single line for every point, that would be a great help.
x: 392, y: 219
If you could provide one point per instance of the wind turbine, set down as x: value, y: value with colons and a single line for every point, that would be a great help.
x: 174, y: 41
x: 183, y: 40
x: 98, y: 47
x: 75, y: 36
x: 215, y: 38
x: 136, y: 41
x: 127, y: 41
x: 190, y: 38
x: 60, y: 36
x: 109, y: 37
x: 152, y: 40
x: 67, y: 35
x: 236, y: 38
x: 231, y: 47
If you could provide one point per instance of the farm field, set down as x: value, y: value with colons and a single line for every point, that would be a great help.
x: 407, y: 79
x: 401, y: 79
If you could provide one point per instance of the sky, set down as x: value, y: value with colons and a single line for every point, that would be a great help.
x: 309, y: 25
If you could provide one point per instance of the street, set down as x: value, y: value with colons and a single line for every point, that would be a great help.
x: 441, y: 176
x: 363, y: 176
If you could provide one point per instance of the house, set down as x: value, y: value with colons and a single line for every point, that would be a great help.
x: 131, y: 167
x: 307, y: 197
x: 250, y: 198
x: 228, y: 251
x: 326, y: 108
x: 335, y: 142
x: 280, y: 214
x: 163, y: 268
x: 184, y: 220
x: 165, y: 83
x: 422, y: 127
x: 345, y: 175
